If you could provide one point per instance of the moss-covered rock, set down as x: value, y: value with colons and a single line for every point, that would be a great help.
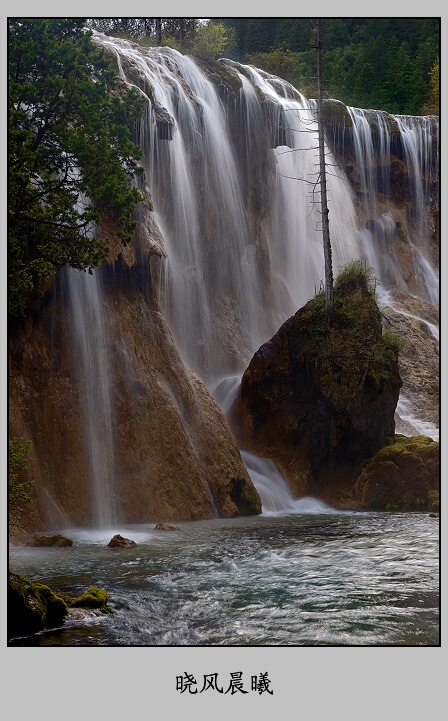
x: 403, y: 474
x: 335, y: 113
x: 32, y: 607
x: 223, y: 76
x: 93, y: 598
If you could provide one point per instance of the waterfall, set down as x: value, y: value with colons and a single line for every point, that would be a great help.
x: 90, y: 334
x: 231, y: 164
x: 418, y: 137
x: 274, y: 493
x: 375, y: 135
x: 232, y: 190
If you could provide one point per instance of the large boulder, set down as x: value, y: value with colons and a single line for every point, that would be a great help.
x: 319, y: 397
x: 403, y: 475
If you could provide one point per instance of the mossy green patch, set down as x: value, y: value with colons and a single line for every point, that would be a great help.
x: 93, y: 598
x: 350, y: 349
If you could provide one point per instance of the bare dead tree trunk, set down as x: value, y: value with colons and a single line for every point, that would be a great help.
x: 323, y: 180
x: 159, y: 31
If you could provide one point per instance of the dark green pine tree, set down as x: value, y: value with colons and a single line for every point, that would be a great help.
x: 71, y: 157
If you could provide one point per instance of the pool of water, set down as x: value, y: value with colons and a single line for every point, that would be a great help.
x: 312, y: 578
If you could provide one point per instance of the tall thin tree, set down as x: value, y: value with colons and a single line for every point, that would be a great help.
x: 323, y: 178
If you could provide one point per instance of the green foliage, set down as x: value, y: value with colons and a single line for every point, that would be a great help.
x: 352, y: 272
x: 18, y: 482
x: 391, y: 506
x: 432, y: 106
x: 212, y: 40
x: 281, y: 62
x: 178, y: 33
x: 71, y: 157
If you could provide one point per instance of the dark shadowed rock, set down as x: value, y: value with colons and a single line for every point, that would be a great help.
x: 120, y: 542
x: 33, y: 607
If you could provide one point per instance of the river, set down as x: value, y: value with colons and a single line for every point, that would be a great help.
x: 312, y: 577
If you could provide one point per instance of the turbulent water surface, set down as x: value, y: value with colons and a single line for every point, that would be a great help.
x: 312, y: 577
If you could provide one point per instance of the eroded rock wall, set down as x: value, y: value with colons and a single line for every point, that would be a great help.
x: 175, y: 457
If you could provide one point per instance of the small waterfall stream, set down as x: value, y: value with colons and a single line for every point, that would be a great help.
x: 90, y: 334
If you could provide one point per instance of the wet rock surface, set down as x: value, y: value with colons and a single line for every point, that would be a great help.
x: 118, y: 541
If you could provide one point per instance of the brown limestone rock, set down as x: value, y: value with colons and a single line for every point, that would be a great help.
x: 119, y: 541
x: 166, y: 527
x: 175, y: 455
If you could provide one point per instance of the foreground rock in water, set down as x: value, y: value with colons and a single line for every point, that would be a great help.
x: 319, y: 400
x: 402, y: 476
x: 33, y: 607
x: 53, y: 540
x: 119, y: 541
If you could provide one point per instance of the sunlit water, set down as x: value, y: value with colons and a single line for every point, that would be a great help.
x: 315, y: 577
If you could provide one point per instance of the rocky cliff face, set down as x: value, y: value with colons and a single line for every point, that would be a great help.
x: 319, y: 399
x: 175, y: 457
